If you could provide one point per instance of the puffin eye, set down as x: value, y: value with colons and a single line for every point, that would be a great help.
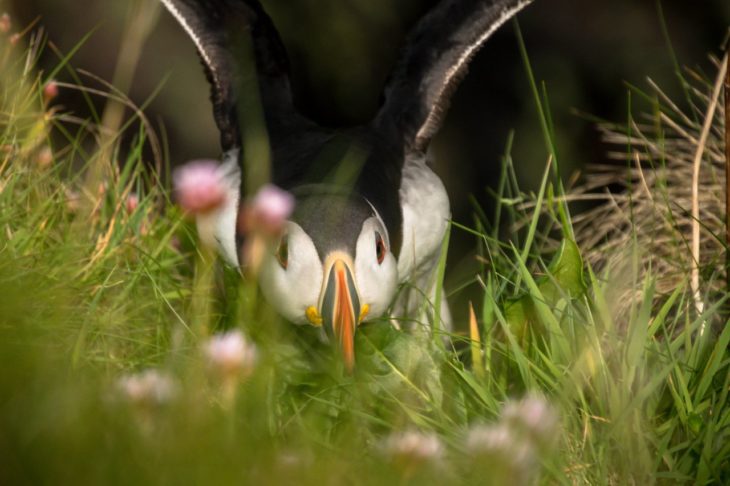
x: 379, y: 248
x: 282, y: 253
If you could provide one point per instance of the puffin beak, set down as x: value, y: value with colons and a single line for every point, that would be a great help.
x: 340, y: 308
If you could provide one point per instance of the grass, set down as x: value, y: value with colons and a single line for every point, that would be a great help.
x: 95, y: 290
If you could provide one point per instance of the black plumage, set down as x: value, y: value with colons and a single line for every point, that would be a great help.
x: 351, y: 184
x: 416, y: 96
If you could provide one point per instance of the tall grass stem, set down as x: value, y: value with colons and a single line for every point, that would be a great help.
x: 141, y: 19
x: 727, y: 169
x: 707, y: 125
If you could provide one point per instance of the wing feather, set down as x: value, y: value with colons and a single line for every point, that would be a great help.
x: 434, y: 61
x: 220, y: 29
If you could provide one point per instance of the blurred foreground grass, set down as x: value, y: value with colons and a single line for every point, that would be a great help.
x: 105, y: 376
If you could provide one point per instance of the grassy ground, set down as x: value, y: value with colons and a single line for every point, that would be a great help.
x: 107, y: 311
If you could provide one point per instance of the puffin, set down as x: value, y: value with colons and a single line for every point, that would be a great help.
x: 365, y: 238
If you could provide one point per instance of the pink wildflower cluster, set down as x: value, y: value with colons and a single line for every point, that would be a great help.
x: 131, y: 203
x: 199, y: 186
x: 510, y: 450
x: 506, y: 452
x: 148, y: 388
x: 200, y: 189
x: 231, y: 359
x: 411, y: 452
x: 261, y: 221
x: 230, y: 355
x: 267, y: 211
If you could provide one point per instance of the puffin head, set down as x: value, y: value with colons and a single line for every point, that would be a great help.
x: 332, y: 267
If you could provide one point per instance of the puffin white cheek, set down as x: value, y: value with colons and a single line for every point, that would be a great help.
x: 292, y: 290
x: 274, y: 286
x: 377, y: 284
x: 389, y: 282
x: 305, y: 282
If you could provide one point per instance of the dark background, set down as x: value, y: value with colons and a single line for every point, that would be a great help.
x: 342, y: 50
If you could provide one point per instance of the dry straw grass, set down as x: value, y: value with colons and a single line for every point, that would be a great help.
x: 664, y: 198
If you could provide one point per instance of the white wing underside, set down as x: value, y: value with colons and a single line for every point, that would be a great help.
x: 426, y: 214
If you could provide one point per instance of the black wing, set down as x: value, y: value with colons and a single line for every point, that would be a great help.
x: 227, y: 33
x: 434, y: 61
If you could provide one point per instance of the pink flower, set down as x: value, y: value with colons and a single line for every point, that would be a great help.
x: 132, y: 202
x: 511, y: 450
x: 534, y: 416
x: 485, y: 438
x: 50, y: 91
x: 262, y: 220
x: 411, y: 449
x: 273, y: 205
x: 5, y: 23
x: 149, y: 387
x: 502, y: 453
x: 231, y: 355
x: 268, y: 210
x: 199, y: 186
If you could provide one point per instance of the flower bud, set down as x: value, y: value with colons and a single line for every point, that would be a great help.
x: 45, y: 157
x: 5, y: 23
x: 50, y: 91
x: 132, y: 203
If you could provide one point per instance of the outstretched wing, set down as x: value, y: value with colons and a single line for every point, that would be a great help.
x: 226, y: 34
x: 434, y: 61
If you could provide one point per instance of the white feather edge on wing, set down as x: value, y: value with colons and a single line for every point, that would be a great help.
x: 183, y: 21
x: 433, y: 118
